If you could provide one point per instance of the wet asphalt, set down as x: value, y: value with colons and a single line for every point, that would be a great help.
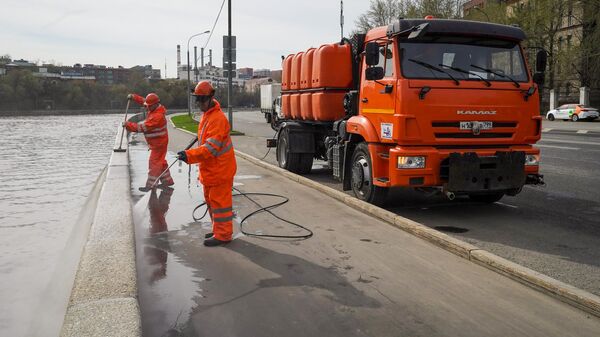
x: 554, y: 229
x: 357, y: 276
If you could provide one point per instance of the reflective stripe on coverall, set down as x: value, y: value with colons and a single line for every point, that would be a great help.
x: 216, y: 160
x: 157, y: 137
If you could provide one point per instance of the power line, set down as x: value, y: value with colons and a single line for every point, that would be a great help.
x: 213, y: 27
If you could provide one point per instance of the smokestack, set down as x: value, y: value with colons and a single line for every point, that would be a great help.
x: 210, y: 57
x: 202, y: 57
x: 178, y: 56
x: 195, y: 63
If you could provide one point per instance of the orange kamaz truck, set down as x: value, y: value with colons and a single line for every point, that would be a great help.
x: 449, y: 105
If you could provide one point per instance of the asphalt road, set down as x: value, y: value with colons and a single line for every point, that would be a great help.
x: 554, y: 229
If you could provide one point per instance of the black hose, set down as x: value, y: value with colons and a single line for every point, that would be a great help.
x: 260, y: 210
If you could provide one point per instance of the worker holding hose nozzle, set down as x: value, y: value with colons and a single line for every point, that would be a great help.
x: 216, y: 159
x: 157, y: 137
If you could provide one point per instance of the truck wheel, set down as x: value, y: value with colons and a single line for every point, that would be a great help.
x: 362, y: 177
x: 300, y: 163
x: 486, y: 198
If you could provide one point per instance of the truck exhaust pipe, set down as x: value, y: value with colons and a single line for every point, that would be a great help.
x: 450, y: 195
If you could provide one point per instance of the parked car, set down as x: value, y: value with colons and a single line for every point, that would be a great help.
x: 573, y: 112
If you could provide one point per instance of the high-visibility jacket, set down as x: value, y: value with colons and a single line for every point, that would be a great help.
x: 154, y: 127
x: 214, y: 153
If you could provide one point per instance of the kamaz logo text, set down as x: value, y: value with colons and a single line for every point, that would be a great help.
x: 475, y: 112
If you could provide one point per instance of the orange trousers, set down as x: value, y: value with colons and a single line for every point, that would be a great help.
x: 220, y: 206
x: 156, y: 165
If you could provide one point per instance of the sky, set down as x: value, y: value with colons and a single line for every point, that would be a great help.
x: 129, y: 33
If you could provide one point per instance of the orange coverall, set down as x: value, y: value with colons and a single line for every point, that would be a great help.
x: 216, y: 160
x: 157, y: 137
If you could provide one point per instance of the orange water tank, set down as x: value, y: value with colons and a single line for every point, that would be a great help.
x: 306, y: 69
x: 328, y: 106
x: 295, y: 71
x: 286, y: 73
x: 285, y: 107
x: 306, y: 106
x: 332, y: 66
x: 295, y: 108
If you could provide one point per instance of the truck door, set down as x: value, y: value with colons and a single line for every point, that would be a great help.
x: 377, y: 98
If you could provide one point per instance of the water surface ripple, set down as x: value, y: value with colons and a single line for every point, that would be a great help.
x: 48, y: 166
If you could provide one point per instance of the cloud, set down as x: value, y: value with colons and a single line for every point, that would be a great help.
x: 129, y: 33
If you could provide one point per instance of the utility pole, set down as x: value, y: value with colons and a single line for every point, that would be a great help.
x: 229, y: 71
x: 342, y: 18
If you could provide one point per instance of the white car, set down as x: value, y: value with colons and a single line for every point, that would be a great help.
x: 573, y: 112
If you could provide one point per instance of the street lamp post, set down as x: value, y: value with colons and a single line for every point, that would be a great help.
x: 188, y: 72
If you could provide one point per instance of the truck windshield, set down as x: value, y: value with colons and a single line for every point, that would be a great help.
x: 463, y: 58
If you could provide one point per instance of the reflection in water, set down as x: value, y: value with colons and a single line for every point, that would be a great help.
x: 157, y: 257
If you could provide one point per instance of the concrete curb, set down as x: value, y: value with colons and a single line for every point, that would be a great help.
x: 566, y: 293
x: 104, y: 297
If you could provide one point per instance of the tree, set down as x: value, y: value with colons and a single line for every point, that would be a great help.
x: 4, y: 59
x: 384, y: 12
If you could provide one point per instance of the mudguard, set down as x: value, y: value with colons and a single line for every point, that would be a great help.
x: 360, y: 125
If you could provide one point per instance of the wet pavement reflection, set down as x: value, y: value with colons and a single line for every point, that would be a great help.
x: 167, y: 288
x: 186, y: 289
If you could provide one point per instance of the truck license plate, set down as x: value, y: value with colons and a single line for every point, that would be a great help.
x: 482, y: 125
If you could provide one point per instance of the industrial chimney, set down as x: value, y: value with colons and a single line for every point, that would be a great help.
x: 210, y: 57
x: 178, y: 56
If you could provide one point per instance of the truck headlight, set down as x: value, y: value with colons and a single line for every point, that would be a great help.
x: 532, y: 159
x: 411, y: 162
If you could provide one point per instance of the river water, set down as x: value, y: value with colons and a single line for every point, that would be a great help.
x: 48, y: 166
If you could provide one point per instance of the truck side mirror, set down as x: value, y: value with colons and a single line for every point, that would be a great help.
x: 374, y: 73
x: 538, y: 78
x: 372, y: 53
x: 540, y: 61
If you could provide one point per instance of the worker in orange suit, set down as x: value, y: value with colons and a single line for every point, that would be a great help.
x: 155, y: 131
x: 216, y: 159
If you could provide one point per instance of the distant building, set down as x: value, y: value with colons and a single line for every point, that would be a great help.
x: 254, y: 84
x: 245, y: 73
x: 88, y: 72
x: 276, y: 75
x: 258, y: 73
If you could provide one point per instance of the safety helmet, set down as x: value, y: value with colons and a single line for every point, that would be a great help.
x: 204, y: 88
x: 151, y: 99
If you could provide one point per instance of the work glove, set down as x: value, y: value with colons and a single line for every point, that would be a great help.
x: 182, y: 156
x: 130, y: 96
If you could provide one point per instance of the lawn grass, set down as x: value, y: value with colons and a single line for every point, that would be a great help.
x: 187, y: 123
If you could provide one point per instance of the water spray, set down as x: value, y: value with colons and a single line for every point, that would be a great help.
x: 173, y: 163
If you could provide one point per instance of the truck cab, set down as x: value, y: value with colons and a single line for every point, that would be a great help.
x: 444, y: 104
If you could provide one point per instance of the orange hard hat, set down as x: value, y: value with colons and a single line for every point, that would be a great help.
x: 204, y: 88
x: 151, y: 99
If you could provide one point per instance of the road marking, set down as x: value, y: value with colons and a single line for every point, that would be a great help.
x: 507, y: 205
x: 547, y: 129
x: 569, y: 142
x: 582, y: 131
x: 559, y: 147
